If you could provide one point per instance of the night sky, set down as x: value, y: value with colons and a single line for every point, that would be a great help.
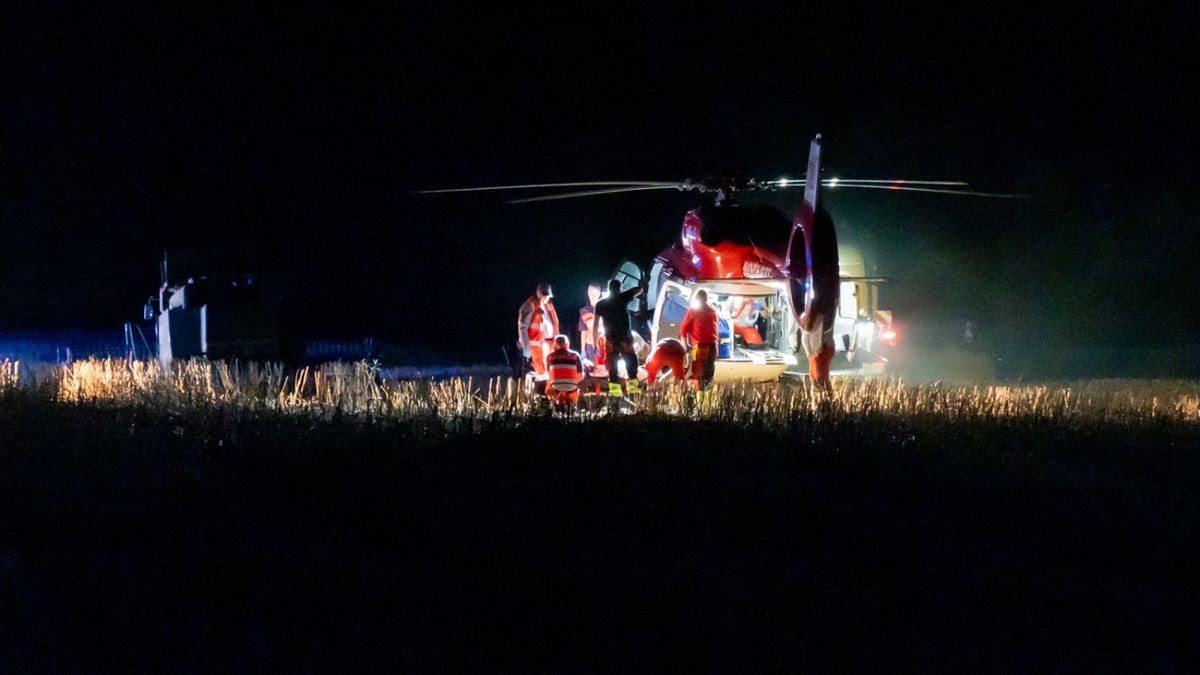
x: 294, y: 137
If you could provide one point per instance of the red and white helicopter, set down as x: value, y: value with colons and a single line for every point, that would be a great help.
x: 779, y: 283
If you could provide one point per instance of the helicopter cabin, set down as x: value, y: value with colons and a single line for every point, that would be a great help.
x: 758, y: 331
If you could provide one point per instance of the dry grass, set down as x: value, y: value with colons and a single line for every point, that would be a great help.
x: 10, y: 374
x: 355, y: 390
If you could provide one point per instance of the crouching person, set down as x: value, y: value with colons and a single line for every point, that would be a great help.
x: 566, y: 370
x: 669, y: 354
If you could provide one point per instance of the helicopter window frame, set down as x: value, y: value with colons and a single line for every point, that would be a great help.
x: 629, y: 280
x: 664, y: 296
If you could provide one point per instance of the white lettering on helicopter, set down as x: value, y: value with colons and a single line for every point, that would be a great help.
x: 753, y: 270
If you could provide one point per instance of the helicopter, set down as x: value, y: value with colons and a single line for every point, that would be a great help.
x: 781, y: 285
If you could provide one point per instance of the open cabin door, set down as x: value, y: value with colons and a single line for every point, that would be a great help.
x: 670, y: 307
x: 631, y: 275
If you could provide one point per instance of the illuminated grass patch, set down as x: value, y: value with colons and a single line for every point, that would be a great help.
x: 355, y: 390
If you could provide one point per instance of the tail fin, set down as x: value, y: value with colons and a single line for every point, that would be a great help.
x: 798, y: 263
x: 812, y: 177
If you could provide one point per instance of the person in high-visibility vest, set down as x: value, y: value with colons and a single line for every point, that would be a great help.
x: 700, y: 331
x: 536, y: 323
x: 670, y: 354
x: 566, y: 371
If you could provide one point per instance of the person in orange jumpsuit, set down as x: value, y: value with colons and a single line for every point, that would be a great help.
x: 536, y: 323
x: 699, y: 331
x: 566, y: 371
x: 669, y: 353
x: 744, y: 320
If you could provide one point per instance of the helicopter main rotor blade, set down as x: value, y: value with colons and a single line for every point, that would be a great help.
x: 896, y: 181
x: 902, y: 188
x: 834, y: 182
x: 535, y: 186
x: 592, y: 193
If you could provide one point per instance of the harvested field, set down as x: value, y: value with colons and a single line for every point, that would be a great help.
x: 356, y: 390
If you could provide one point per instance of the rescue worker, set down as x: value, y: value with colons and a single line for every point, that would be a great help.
x: 598, y: 370
x: 536, y: 322
x: 566, y: 371
x: 587, y: 339
x: 700, y: 330
x: 612, y: 314
x: 669, y: 353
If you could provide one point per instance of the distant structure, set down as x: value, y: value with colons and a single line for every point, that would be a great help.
x: 214, y: 313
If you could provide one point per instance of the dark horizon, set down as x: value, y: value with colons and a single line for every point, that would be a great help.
x: 297, y: 137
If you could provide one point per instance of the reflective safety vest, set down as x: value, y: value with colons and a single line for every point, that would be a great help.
x: 535, y: 322
x: 566, y: 369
